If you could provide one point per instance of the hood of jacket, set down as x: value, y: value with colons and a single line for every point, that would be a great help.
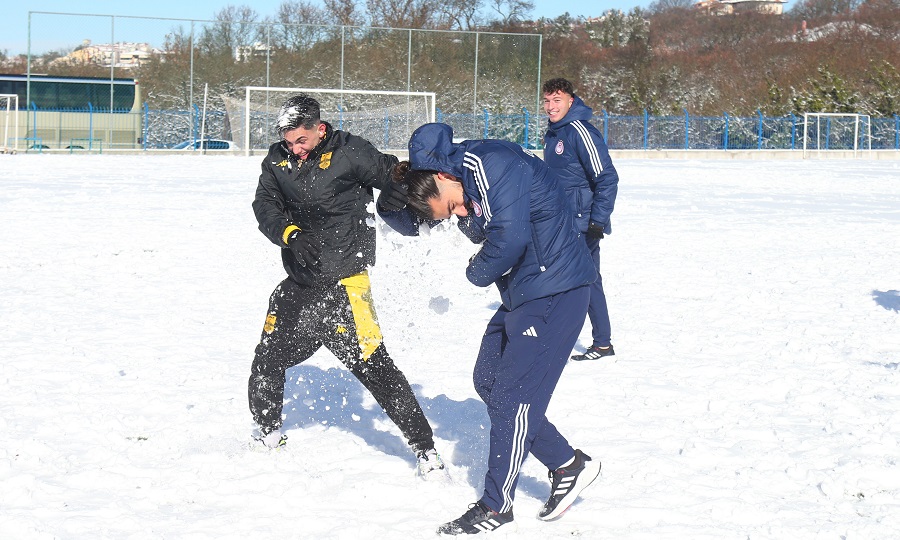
x: 431, y: 148
x: 578, y: 111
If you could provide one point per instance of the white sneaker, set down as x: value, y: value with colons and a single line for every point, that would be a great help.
x: 430, y: 460
x: 273, y: 439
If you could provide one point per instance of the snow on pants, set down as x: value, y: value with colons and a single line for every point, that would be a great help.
x: 523, y: 353
x: 597, y: 311
x: 340, y: 316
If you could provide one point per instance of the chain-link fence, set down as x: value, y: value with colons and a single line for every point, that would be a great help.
x: 487, y: 85
x: 161, y: 129
x: 179, y: 64
x: 759, y: 132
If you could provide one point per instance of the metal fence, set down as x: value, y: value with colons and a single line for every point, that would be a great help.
x: 487, y: 85
x: 160, y: 129
x: 177, y: 60
x: 688, y: 132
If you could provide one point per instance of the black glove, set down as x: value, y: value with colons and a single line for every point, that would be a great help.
x: 393, y: 197
x: 595, y: 231
x: 305, y: 247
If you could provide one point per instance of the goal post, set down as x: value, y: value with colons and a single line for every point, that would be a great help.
x: 385, y: 118
x: 9, y: 119
x: 836, y: 131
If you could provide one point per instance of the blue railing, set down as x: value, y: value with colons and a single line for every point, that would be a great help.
x: 154, y: 129
x: 686, y: 132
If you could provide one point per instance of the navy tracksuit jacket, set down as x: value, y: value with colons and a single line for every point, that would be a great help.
x: 532, y: 251
x: 577, y: 153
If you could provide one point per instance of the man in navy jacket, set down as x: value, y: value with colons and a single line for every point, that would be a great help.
x: 510, y: 202
x: 576, y: 151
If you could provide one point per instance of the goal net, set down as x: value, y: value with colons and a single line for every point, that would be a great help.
x: 386, y: 119
x: 836, y: 131
x: 9, y: 123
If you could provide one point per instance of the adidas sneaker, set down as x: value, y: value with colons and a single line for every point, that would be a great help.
x: 595, y: 352
x: 477, y: 519
x: 566, y: 483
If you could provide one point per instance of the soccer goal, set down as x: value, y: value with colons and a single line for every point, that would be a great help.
x: 836, y: 131
x: 9, y: 119
x: 385, y: 118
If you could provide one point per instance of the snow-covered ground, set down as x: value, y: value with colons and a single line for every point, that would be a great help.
x: 755, y: 394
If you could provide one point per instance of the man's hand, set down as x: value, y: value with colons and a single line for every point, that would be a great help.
x: 305, y: 247
x: 393, y: 197
x: 595, y: 231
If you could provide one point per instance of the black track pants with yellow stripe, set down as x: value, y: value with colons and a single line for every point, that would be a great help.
x: 342, y: 318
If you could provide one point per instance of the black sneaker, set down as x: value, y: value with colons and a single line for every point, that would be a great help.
x: 567, y: 483
x: 594, y: 352
x: 478, y: 518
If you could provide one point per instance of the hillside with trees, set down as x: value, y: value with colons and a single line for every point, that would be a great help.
x: 822, y: 56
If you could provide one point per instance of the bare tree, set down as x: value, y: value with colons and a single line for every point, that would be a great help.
x: 402, y: 13
x: 658, y: 6
x: 235, y: 27
x: 812, y: 9
x: 883, y: 16
x: 512, y: 11
x: 292, y: 28
x: 460, y: 14
x: 343, y: 13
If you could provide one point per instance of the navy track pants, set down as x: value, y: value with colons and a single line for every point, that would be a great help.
x: 523, y: 353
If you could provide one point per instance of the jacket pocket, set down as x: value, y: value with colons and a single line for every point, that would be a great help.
x: 538, y: 250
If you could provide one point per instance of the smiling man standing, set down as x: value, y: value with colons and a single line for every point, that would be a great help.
x: 576, y: 151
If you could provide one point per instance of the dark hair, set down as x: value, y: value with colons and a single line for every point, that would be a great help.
x: 558, y: 85
x: 421, y: 188
x: 297, y: 111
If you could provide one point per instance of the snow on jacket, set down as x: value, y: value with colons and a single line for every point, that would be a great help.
x: 576, y: 151
x: 531, y: 248
x: 326, y: 195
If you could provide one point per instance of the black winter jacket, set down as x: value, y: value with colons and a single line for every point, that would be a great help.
x: 327, y: 195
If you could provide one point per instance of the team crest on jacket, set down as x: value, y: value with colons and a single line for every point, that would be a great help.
x: 325, y: 160
x: 476, y: 208
x: 559, y: 148
x: 269, y: 327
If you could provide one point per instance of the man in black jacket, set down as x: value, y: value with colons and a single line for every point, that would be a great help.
x: 311, y: 201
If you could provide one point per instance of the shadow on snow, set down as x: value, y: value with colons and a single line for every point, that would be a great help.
x: 887, y: 299
x: 334, y: 398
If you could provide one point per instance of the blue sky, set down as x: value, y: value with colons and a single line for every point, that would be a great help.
x: 53, y: 32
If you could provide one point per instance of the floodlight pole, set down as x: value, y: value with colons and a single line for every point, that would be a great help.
x: 247, y: 120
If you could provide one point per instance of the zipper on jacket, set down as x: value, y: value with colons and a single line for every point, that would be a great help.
x: 537, y: 249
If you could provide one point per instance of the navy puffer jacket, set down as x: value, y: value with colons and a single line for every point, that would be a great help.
x: 531, y: 247
x: 577, y: 153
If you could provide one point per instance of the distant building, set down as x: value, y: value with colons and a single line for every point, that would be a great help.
x: 244, y: 53
x: 119, y: 55
x: 730, y: 7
